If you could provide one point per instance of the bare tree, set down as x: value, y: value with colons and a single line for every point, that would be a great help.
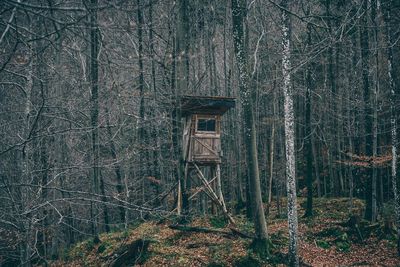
x: 238, y: 15
x: 289, y: 136
x: 393, y: 116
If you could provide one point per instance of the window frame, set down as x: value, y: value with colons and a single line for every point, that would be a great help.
x: 207, y: 117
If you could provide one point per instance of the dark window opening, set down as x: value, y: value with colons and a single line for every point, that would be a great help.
x: 206, y: 125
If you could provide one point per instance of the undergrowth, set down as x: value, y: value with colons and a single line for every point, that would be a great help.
x: 328, y: 230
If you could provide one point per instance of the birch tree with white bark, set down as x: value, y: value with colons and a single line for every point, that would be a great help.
x: 393, y: 119
x: 289, y: 136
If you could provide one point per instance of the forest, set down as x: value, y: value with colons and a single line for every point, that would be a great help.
x: 199, y: 133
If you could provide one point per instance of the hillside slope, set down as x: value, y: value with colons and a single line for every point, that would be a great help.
x: 329, y: 239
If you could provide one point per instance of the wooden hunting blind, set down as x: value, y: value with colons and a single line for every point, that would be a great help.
x: 202, y: 128
x: 201, y: 142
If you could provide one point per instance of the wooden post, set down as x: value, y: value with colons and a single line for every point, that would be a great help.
x: 213, y: 172
x: 219, y: 186
x: 186, y: 189
x: 179, y: 201
x: 210, y: 192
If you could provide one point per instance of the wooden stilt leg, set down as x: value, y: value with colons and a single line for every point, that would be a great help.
x: 219, y: 186
x: 202, y: 188
x: 179, y: 202
x: 213, y: 204
x: 210, y: 192
x: 186, y: 189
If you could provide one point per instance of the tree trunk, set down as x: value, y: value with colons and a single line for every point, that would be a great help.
x: 94, y: 82
x: 364, y: 44
x: 316, y: 169
x: 374, y: 10
x: 308, y: 133
x: 182, y: 78
x: 289, y: 138
x: 155, y: 131
x: 351, y: 114
x: 25, y: 225
x: 95, y: 105
x: 332, y: 87
x: 272, y: 151
x: 238, y: 15
x: 118, y: 169
x: 393, y: 119
x: 141, y: 130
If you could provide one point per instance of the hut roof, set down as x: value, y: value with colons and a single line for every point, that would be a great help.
x: 206, y: 104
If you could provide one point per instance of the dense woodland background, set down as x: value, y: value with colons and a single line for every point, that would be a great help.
x: 90, y: 134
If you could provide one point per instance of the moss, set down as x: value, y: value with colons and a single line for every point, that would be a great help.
x: 81, y: 249
x: 390, y: 237
x: 65, y: 254
x: 279, y: 239
x: 185, y: 219
x: 246, y: 261
x: 392, y: 244
x: 278, y: 258
x: 309, y: 221
x: 183, y: 260
x: 173, y: 239
x: 124, y: 235
x: 343, y: 246
x: 331, y: 232
x: 170, y: 256
x: 218, y: 221
x: 171, y: 247
x: 342, y: 241
x: 388, y: 212
x: 261, y: 247
x: 102, y: 247
x: 89, y: 245
x: 117, y: 235
x: 323, y: 244
x: 134, y: 253
x: 218, y: 253
x: 245, y: 225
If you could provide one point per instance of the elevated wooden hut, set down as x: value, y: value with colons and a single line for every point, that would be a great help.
x: 202, y: 128
x: 202, y: 141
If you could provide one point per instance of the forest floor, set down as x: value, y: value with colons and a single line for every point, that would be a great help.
x: 324, y: 240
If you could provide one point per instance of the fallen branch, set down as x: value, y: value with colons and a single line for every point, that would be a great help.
x: 199, y: 245
x: 237, y: 232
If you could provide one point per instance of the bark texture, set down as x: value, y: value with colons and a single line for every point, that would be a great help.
x: 289, y: 138
x: 238, y: 15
